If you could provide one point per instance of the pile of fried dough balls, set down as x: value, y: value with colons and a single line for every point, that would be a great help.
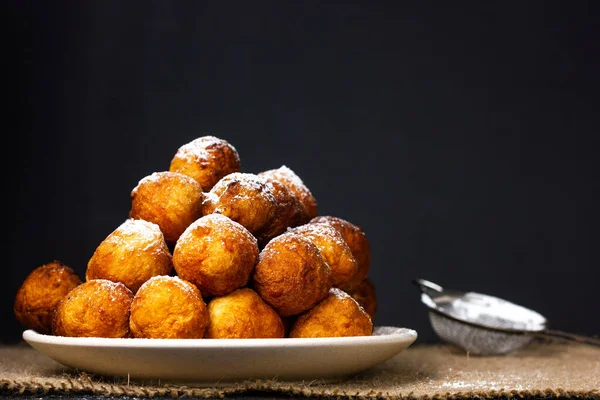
x: 208, y: 251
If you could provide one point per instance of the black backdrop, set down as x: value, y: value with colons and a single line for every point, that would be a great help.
x: 462, y: 136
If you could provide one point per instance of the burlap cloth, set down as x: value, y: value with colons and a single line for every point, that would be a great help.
x: 423, y: 371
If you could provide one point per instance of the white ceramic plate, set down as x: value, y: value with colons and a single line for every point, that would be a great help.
x: 221, y: 361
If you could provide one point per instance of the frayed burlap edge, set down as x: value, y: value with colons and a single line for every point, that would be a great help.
x: 84, y: 385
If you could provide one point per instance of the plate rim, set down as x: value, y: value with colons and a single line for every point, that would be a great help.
x: 394, y: 334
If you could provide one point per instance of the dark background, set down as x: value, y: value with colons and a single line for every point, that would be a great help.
x: 461, y: 136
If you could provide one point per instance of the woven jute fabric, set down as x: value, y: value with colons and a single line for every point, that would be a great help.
x: 423, y: 371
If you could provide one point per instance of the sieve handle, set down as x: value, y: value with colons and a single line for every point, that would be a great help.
x: 429, y: 288
x: 551, y: 333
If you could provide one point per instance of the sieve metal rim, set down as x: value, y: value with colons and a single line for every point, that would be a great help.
x: 513, y: 331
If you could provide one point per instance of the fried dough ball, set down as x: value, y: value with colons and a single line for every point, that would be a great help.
x: 357, y: 241
x: 96, y: 308
x: 216, y: 254
x: 169, y: 199
x: 366, y: 295
x: 133, y: 253
x: 242, y: 314
x: 334, y: 249
x: 207, y: 159
x: 168, y: 307
x: 243, y: 197
x: 337, y: 315
x: 289, y: 212
x: 291, y: 275
x: 290, y: 179
x: 40, y: 293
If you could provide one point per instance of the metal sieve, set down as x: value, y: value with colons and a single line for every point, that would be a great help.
x: 486, y: 325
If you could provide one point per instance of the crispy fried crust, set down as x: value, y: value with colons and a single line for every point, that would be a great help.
x: 216, y: 254
x: 40, y: 293
x: 168, y: 307
x: 96, y: 308
x: 356, y: 239
x: 290, y: 179
x: 289, y: 212
x: 291, y: 275
x: 334, y: 249
x: 337, y: 315
x: 207, y: 159
x: 366, y: 295
x: 133, y: 253
x: 169, y: 199
x: 243, y: 197
x: 242, y: 314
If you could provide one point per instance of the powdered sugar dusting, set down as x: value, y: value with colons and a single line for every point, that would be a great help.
x: 244, y: 197
x: 152, y: 178
x: 115, y: 291
x: 254, y: 182
x: 287, y: 176
x: 132, y: 240
x: 165, y: 280
x: 340, y: 294
x: 337, y: 222
x: 324, y: 231
x: 291, y: 175
x: 155, y: 178
x: 220, y: 225
x: 198, y: 149
x: 189, y: 237
x: 138, y: 235
x: 145, y: 230
x: 288, y: 240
